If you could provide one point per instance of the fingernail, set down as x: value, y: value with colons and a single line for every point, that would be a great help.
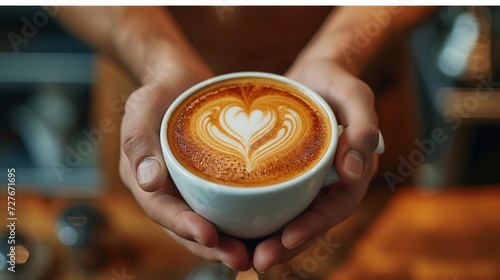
x: 226, y: 264
x: 266, y: 269
x: 260, y: 272
x: 197, y: 239
x: 355, y: 164
x: 148, y: 170
x: 296, y: 244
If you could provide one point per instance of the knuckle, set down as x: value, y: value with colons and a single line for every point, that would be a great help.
x: 155, y: 216
x: 370, y: 137
x: 135, y: 99
x: 132, y: 139
x: 362, y: 88
x: 123, y: 169
x: 349, y: 197
x: 365, y: 89
x: 324, y: 221
x: 154, y: 210
x: 130, y: 104
x: 353, y: 87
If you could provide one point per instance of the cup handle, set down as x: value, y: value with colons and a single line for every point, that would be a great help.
x: 333, y: 177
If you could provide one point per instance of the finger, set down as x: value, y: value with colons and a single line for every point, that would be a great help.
x: 355, y: 147
x: 268, y: 253
x: 328, y: 210
x: 229, y: 251
x: 140, y: 138
x: 271, y: 252
x: 354, y: 105
x: 171, y: 212
x: 355, y: 109
x: 140, y: 135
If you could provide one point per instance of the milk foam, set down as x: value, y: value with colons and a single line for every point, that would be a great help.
x: 248, y: 134
x: 240, y: 129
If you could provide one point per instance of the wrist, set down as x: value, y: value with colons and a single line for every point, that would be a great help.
x: 148, y: 43
x: 166, y: 59
x: 331, y: 47
x: 352, y: 49
x: 157, y: 57
x: 344, y: 53
x: 347, y: 39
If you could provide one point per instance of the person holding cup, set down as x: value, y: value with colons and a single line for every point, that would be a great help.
x: 145, y: 38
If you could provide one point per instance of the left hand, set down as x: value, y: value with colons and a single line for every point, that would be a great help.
x: 144, y: 171
x: 353, y: 104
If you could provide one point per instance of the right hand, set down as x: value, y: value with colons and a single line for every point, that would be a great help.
x: 143, y: 170
x: 353, y: 104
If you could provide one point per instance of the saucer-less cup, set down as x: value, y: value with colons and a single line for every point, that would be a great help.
x: 252, y: 212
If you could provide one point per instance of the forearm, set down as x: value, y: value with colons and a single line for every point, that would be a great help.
x: 353, y: 36
x: 146, y: 40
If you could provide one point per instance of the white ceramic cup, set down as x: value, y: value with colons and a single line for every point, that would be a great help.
x: 252, y: 212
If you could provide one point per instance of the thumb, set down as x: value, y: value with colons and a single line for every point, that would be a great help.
x: 140, y: 137
x: 355, y: 150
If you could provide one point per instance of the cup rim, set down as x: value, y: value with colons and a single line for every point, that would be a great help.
x: 328, y: 156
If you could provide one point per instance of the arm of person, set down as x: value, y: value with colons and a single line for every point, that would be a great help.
x: 331, y: 64
x: 146, y: 39
x: 147, y: 42
x: 140, y: 38
x: 354, y: 36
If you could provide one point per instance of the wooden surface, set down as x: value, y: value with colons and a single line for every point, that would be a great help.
x: 132, y: 242
x: 452, y: 234
x: 137, y: 246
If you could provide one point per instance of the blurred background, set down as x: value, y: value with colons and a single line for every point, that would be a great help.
x: 431, y: 213
x: 456, y: 59
x: 45, y: 85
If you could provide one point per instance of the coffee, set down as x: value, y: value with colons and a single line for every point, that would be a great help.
x: 248, y: 132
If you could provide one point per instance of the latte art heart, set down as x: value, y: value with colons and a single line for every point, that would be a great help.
x: 248, y: 134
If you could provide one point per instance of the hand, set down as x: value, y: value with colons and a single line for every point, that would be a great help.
x: 157, y: 194
x: 353, y: 104
x: 143, y: 170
